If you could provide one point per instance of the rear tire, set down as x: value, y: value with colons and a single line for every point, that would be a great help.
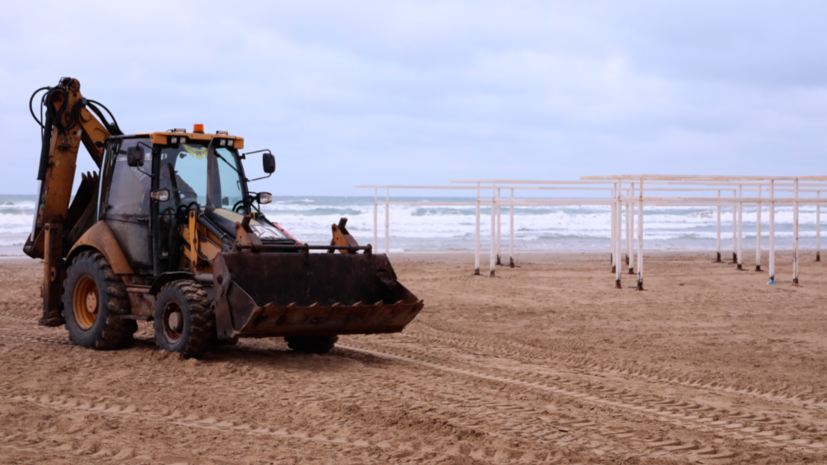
x: 94, y: 297
x: 183, y: 320
x: 311, y: 344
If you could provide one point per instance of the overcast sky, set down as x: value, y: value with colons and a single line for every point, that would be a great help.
x: 423, y: 92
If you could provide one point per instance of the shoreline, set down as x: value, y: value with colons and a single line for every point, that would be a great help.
x: 749, y: 254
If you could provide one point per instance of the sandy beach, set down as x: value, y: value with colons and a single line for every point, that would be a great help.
x: 546, y: 363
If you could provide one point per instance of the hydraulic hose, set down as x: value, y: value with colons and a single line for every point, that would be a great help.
x: 44, y: 148
x: 113, y: 127
x: 55, y: 118
x: 31, y: 109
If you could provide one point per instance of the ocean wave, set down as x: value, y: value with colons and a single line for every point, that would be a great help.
x: 17, y: 209
x: 318, y: 211
x: 16, y: 218
x: 445, y: 227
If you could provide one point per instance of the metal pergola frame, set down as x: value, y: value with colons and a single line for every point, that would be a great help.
x: 627, y: 192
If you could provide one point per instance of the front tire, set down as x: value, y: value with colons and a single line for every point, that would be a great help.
x: 183, y: 320
x: 94, y: 298
x: 312, y: 344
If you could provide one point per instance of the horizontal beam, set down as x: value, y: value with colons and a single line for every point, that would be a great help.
x: 693, y: 177
x: 518, y: 181
x: 505, y: 202
x: 728, y: 200
x: 751, y: 184
x: 705, y: 189
x: 415, y: 187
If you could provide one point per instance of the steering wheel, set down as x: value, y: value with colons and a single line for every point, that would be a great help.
x: 238, y: 205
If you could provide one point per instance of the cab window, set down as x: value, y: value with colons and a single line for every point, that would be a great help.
x: 129, y: 188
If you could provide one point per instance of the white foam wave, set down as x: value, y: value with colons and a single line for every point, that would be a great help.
x: 435, y: 227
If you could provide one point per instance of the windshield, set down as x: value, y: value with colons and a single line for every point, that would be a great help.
x: 185, y: 170
x: 227, y: 185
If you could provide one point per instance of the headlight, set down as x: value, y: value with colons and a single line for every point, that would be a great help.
x: 265, y: 198
x: 161, y: 195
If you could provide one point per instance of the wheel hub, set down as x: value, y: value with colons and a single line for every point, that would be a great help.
x: 173, y: 322
x: 85, y: 302
x: 92, y: 302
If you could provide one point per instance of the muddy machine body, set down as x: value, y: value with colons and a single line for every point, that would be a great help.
x: 168, y: 231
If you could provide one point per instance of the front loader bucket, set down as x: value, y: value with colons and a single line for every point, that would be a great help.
x: 306, y: 294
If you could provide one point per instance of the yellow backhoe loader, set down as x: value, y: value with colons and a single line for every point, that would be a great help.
x: 169, y: 232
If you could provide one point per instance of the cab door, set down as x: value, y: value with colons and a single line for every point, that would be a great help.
x: 125, y: 204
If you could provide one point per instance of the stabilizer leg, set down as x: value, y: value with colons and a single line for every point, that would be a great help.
x: 54, y: 273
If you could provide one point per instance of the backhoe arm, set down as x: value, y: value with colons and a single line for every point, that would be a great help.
x: 57, y: 225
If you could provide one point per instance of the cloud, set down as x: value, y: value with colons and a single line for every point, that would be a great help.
x: 422, y: 92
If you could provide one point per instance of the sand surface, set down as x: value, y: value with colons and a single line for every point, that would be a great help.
x: 546, y: 363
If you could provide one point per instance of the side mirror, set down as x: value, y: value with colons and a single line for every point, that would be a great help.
x: 135, y: 156
x: 269, y: 162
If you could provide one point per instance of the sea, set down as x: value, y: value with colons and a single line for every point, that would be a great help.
x: 430, y: 229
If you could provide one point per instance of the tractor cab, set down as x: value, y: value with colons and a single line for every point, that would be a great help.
x: 152, y: 181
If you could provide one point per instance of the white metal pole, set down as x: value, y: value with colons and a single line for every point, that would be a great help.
x: 477, y: 236
x: 511, y: 230
x: 818, y: 228
x: 376, y: 218
x: 640, y: 240
x: 619, y: 229
x: 387, y: 220
x: 734, y: 229
x: 499, y: 228
x: 758, y: 233
x: 493, y: 252
x: 632, y: 231
x: 772, y: 233
x: 795, y: 233
x: 718, y: 208
x: 740, y: 227
x: 612, y: 229
x: 628, y: 231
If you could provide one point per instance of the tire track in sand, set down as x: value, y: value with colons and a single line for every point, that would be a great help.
x: 673, y: 408
x: 95, y: 452
x: 37, y: 338
x: 486, y: 414
x: 798, y: 431
x: 757, y: 429
x: 811, y: 398
x: 10, y: 316
x: 235, y: 426
x: 476, y: 413
x: 423, y: 408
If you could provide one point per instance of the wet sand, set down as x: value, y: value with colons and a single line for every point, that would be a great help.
x: 545, y: 363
